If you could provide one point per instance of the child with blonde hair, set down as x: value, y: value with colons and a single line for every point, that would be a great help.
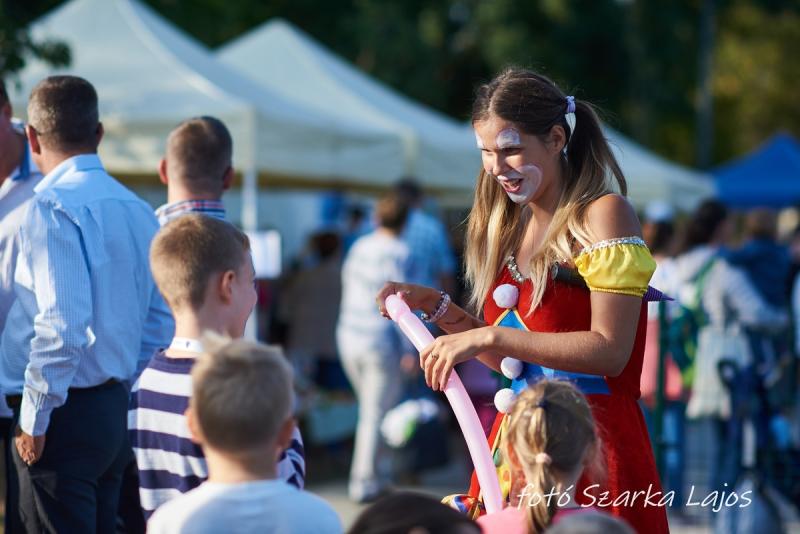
x: 551, y: 439
x: 204, y: 269
x: 240, y: 412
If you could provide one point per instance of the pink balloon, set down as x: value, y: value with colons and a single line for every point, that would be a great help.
x: 460, y: 402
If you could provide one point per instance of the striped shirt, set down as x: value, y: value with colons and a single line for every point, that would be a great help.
x: 169, y: 462
x: 16, y: 192
x: 86, y: 308
x: 212, y: 208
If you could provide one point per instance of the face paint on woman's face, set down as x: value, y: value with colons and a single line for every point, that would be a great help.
x: 479, y: 141
x: 508, y: 138
x: 521, y: 184
x: 519, y: 180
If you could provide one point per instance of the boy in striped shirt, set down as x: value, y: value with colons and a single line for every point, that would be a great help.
x: 204, y: 270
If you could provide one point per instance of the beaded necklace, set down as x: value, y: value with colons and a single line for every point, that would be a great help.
x: 517, y: 276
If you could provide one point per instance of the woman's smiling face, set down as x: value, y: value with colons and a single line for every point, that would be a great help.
x: 517, y: 161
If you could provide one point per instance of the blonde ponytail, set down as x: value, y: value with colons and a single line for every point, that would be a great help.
x: 551, y: 434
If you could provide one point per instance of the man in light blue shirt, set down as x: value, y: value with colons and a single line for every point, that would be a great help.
x: 18, y: 177
x: 86, y: 315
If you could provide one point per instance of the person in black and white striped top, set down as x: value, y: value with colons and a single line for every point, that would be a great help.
x: 204, y: 270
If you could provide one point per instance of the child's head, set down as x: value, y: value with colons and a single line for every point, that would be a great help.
x: 551, y: 437
x: 202, y: 263
x: 406, y: 513
x: 242, y: 398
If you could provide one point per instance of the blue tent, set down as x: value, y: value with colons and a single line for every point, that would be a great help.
x: 769, y: 176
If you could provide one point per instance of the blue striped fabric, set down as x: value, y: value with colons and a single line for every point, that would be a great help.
x: 169, y: 462
x: 212, y: 208
x: 86, y: 308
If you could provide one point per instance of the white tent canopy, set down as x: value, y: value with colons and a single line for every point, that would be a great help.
x: 651, y: 177
x: 439, y: 151
x: 297, y: 110
x: 149, y: 76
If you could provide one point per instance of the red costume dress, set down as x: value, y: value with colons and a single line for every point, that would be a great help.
x: 631, y: 487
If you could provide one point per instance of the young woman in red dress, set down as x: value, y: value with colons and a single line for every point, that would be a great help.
x: 552, y: 194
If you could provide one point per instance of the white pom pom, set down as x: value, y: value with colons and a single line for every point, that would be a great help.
x: 503, y: 400
x: 506, y: 296
x: 511, y: 368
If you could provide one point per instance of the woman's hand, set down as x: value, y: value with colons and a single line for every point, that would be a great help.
x: 439, y: 358
x: 417, y: 297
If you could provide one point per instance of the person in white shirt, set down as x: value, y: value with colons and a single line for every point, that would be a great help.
x: 240, y: 412
x: 370, y: 346
x: 18, y: 176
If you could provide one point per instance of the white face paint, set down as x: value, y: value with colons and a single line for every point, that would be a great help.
x: 521, y: 184
x: 479, y: 141
x: 508, y: 138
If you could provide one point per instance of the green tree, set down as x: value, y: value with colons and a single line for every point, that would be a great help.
x: 756, y: 74
x: 636, y: 59
x: 16, y: 43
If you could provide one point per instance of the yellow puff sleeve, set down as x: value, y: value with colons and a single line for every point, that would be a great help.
x: 622, y: 265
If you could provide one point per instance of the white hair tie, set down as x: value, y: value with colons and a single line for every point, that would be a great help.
x: 543, y: 458
x: 570, y: 118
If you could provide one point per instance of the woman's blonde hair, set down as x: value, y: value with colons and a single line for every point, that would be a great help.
x: 534, y: 104
x: 551, y: 431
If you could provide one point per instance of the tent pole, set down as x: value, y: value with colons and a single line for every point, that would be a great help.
x: 249, y: 215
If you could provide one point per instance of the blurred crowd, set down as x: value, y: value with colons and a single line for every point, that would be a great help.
x: 166, y: 431
x: 728, y: 340
x: 354, y: 366
x: 724, y: 351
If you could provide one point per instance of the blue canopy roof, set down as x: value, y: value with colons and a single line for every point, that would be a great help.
x: 769, y: 176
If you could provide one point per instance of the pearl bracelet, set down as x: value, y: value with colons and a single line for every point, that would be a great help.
x: 439, y: 311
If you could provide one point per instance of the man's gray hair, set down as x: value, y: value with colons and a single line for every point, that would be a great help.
x: 63, y: 111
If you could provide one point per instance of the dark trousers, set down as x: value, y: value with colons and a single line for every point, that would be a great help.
x: 130, y: 512
x: 75, y: 485
x: 11, y: 519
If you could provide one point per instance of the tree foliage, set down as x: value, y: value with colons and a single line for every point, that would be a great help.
x: 636, y: 59
x: 16, y: 43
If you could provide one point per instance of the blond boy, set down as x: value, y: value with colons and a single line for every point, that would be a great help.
x: 241, y: 414
x: 204, y: 270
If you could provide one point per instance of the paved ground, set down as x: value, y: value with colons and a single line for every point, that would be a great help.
x: 453, y: 479
x: 329, y: 468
